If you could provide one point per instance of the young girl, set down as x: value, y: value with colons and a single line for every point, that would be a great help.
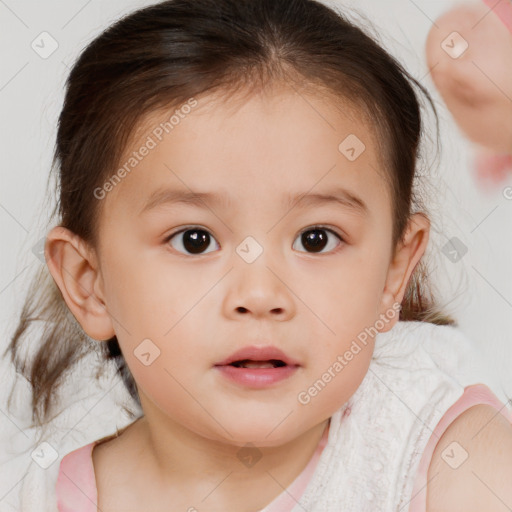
x: 239, y: 232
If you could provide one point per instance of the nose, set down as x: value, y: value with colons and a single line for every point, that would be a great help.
x: 258, y: 290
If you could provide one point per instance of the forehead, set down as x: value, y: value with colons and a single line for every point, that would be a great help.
x: 267, y: 145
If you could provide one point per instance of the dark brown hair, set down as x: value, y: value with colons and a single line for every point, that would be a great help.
x: 165, y: 54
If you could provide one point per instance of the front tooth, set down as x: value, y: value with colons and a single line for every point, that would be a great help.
x: 257, y: 364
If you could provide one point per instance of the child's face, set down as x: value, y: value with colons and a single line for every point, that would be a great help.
x: 199, y: 307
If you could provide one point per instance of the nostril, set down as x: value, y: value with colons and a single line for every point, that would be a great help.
x: 241, y: 309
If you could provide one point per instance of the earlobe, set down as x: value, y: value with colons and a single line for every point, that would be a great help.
x: 73, y: 266
x: 407, y: 255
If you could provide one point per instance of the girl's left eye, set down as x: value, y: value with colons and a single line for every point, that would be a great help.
x: 316, y: 239
x: 197, y: 240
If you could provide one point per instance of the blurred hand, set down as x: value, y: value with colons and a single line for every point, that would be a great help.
x: 477, y: 85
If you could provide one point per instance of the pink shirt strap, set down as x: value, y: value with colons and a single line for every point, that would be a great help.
x: 473, y: 395
x: 76, y: 484
x: 503, y: 9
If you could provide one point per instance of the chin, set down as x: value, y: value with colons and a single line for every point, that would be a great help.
x: 258, y: 433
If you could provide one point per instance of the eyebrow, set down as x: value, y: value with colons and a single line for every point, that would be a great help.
x: 338, y: 196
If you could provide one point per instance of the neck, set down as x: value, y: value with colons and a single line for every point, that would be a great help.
x: 178, y: 458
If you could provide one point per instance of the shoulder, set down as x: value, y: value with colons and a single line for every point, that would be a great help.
x: 471, y: 467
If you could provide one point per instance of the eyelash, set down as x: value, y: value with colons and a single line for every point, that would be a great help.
x: 309, y: 228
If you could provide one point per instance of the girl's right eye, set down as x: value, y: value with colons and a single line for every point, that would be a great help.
x: 194, y: 240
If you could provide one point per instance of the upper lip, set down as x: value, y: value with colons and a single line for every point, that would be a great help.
x: 258, y: 353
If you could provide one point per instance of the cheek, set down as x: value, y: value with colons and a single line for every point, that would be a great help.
x: 334, y: 381
x: 343, y: 308
x: 345, y: 294
x: 169, y: 389
x: 146, y: 292
x: 156, y: 301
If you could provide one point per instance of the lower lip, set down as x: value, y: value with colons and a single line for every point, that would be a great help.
x: 257, y: 377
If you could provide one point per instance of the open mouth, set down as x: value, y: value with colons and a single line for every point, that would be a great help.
x: 249, y: 363
x: 251, y: 373
x: 257, y: 367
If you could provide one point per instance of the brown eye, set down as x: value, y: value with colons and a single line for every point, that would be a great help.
x: 191, y: 241
x: 317, y: 238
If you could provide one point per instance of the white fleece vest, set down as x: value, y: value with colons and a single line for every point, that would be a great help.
x: 372, y: 455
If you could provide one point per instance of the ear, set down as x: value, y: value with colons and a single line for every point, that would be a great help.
x: 406, y: 256
x: 73, y: 266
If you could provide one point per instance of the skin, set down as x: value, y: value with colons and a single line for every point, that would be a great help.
x: 477, y: 86
x: 482, y: 481
x: 311, y: 305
